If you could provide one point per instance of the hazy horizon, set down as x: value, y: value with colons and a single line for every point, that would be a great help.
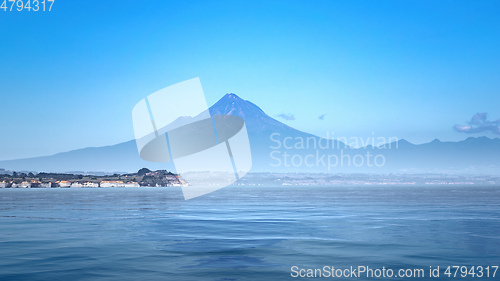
x: 351, y: 141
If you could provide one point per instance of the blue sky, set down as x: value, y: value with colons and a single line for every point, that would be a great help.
x: 69, y: 78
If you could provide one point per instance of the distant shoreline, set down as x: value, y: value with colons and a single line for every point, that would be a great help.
x: 163, y: 178
x: 143, y: 178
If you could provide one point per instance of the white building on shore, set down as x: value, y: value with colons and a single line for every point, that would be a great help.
x: 118, y: 184
x: 25, y: 184
x: 90, y: 184
x: 63, y: 183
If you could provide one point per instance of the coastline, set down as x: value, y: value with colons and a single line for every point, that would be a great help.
x: 142, y: 178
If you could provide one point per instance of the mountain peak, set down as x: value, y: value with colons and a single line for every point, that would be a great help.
x: 231, y: 96
x: 255, y: 118
x: 404, y: 142
x: 230, y: 100
x: 482, y: 138
x: 232, y: 104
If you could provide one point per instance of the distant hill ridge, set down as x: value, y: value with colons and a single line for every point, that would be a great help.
x: 479, y: 155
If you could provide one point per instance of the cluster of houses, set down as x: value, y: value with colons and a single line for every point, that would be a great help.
x: 144, y: 177
x: 62, y: 183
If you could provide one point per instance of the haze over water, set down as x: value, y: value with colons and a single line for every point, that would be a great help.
x: 243, y: 233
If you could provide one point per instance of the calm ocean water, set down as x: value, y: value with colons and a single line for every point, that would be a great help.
x: 243, y: 233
